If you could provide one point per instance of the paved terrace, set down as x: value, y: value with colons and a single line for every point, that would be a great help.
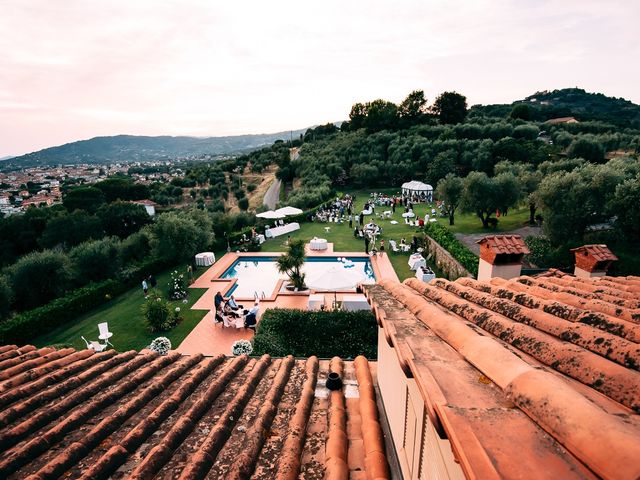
x: 210, y: 338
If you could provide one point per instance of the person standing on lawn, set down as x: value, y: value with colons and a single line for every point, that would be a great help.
x: 145, y: 287
x: 366, y: 244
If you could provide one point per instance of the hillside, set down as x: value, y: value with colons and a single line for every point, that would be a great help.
x: 574, y: 102
x: 132, y: 148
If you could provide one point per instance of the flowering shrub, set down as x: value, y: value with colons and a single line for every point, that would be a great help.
x: 241, y: 347
x: 177, y: 288
x: 158, y: 314
x: 162, y: 345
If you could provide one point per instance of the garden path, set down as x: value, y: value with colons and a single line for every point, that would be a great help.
x: 470, y: 239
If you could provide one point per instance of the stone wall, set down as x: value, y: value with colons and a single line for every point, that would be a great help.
x: 448, y: 265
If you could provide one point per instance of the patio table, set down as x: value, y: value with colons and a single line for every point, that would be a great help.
x: 355, y: 302
x: 205, y: 259
x: 318, y: 244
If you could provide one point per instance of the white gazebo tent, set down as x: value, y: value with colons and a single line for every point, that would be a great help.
x: 418, y: 188
x: 288, y: 211
x: 270, y: 214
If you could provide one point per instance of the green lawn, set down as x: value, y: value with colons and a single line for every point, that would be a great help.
x: 470, y: 223
x: 125, y: 321
x: 342, y: 236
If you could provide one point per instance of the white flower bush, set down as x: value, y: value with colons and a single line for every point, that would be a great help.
x: 162, y: 345
x: 241, y: 347
x: 177, y: 287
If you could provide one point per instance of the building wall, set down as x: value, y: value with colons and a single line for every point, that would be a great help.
x: 444, y: 261
x: 487, y: 271
x: 422, y: 454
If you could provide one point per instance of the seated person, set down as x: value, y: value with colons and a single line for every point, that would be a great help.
x: 222, y: 318
x: 403, y: 241
x: 233, y: 304
x: 228, y: 311
x: 249, y: 320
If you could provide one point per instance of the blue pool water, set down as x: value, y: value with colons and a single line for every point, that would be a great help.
x: 258, y: 275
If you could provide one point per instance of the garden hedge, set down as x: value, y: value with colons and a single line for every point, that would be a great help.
x: 325, y: 334
x: 23, y: 327
x: 450, y: 243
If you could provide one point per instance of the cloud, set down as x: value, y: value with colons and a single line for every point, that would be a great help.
x: 168, y: 67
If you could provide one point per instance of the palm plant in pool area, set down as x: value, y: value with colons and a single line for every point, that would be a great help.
x: 291, y: 263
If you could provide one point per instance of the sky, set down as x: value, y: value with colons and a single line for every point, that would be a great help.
x: 76, y: 69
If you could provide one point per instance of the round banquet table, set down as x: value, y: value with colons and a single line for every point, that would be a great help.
x: 318, y: 244
x: 205, y: 259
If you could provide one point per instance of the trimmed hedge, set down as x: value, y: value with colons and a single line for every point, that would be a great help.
x: 450, y: 243
x: 21, y: 328
x: 325, y: 334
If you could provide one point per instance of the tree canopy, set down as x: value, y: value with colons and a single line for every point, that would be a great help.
x: 450, y: 107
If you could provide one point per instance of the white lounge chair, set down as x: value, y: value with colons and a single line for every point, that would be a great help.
x: 93, y: 345
x: 394, y: 246
x: 105, y: 334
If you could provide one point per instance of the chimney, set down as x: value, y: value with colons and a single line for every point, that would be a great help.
x: 592, y: 260
x: 501, y: 256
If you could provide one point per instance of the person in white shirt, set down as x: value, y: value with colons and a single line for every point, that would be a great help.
x: 251, y: 318
x: 232, y: 303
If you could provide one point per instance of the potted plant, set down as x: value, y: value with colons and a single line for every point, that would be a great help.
x: 291, y: 264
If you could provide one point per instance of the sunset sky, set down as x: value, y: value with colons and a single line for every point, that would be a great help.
x: 75, y: 69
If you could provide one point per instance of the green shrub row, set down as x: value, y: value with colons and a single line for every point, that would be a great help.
x: 450, y: 243
x: 22, y: 327
x: 325, y: 334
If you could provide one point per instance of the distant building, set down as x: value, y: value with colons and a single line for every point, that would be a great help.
x: 149, y: 205
x: 38, y: 200
x: 555, y: 121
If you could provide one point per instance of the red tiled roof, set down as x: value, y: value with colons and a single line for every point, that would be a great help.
x: 149, y: 203
x: 504, y: 244
x: 600, y: 253
x: 561, y: 120
x: 527, y: 377
x: 79, y: 414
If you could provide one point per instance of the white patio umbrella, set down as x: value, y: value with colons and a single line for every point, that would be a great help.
x: 335, y: 278
x: 270, y: 214
x: 286, y: 211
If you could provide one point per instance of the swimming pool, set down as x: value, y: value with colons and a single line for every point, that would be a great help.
x: 258, y: 275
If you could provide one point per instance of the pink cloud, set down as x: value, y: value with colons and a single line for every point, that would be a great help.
x: 77, y: 69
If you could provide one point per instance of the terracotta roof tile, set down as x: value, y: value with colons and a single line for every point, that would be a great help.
x: 504, y: 244
x: 564, y: 351
x: 80, y: 414
x: 600, y: 253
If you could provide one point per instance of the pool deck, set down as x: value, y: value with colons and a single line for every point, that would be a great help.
x: 210, y: 338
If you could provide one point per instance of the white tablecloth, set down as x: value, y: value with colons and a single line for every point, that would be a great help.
x: 277, y: 231
x: 318, y: 244
x: 205, y: 259
x: 315, y: 301
x: 355, y: 302
x: 416, y: 261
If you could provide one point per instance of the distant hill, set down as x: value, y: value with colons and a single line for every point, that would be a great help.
x: 133, y: 148
x: 572, y: 102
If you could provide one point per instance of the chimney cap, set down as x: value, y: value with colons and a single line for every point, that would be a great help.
x: 504, y: 244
